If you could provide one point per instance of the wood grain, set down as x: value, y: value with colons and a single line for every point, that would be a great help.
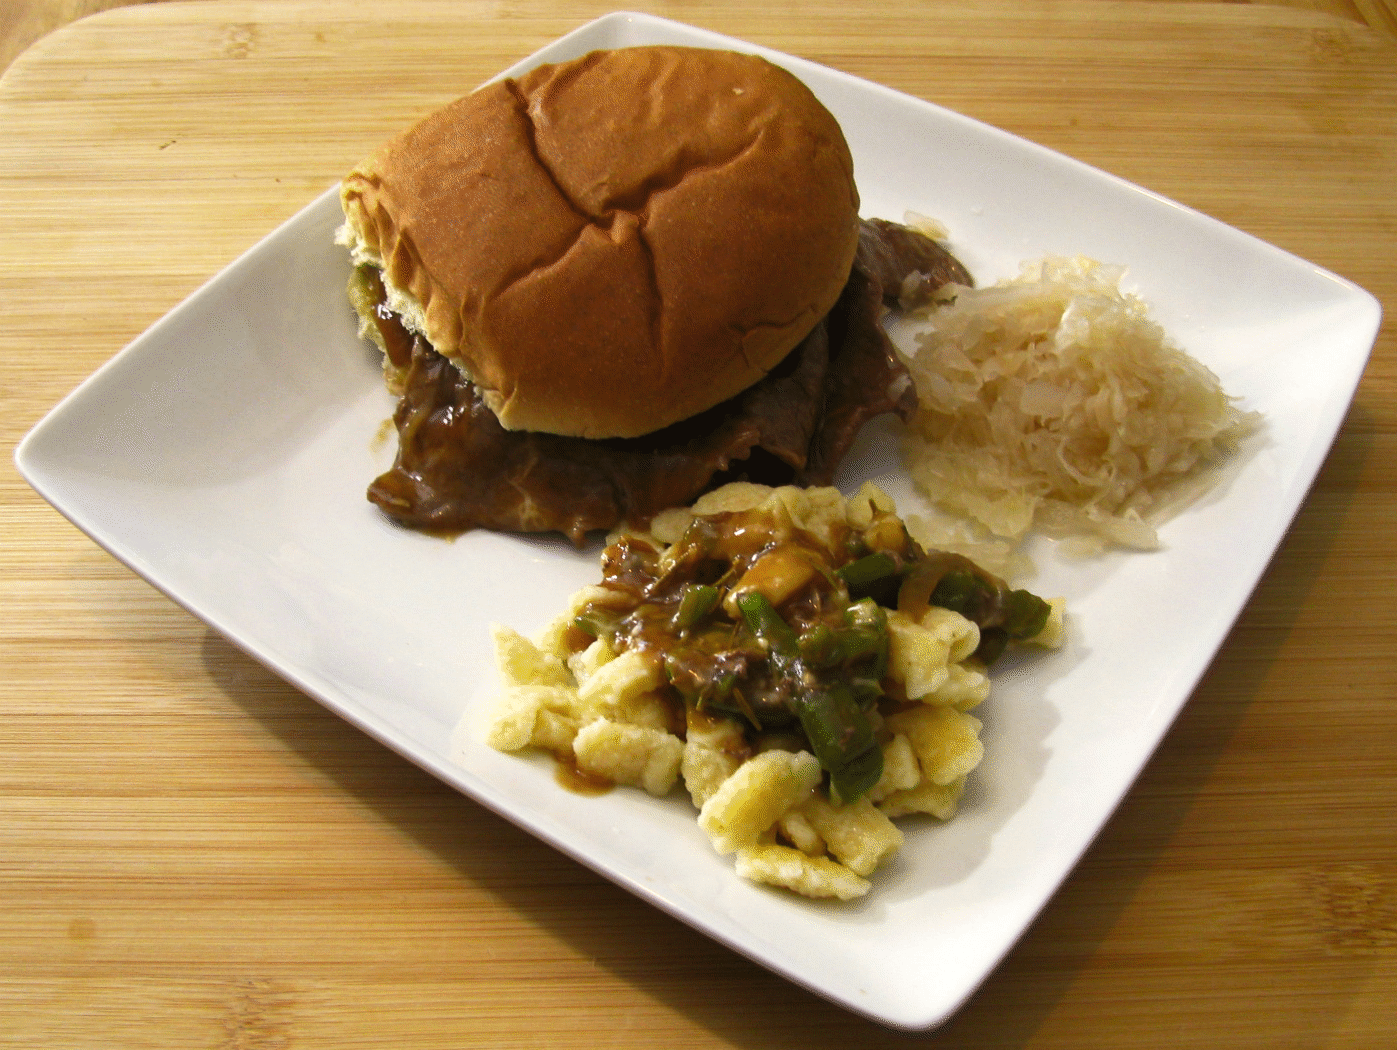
x: 22, y: 22
x: 192, y: 853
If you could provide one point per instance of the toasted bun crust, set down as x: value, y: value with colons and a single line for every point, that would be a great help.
x: 616, y: 243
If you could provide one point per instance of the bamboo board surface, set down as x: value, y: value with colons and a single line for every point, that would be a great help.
x: 192, y: 853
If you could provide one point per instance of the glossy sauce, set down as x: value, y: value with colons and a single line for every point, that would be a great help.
x: 578, y: 781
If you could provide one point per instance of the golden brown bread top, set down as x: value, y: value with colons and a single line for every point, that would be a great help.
x: 613, y: 244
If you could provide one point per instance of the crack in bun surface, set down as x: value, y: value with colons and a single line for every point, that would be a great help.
x: 611, y: 245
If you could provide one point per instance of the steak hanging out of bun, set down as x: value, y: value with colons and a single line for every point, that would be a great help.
x: 607, y: 285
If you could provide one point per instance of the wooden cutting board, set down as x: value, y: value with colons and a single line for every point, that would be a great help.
x: 193, y: 853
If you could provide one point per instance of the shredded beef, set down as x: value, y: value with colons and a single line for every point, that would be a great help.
x: 870, y: 379
x: 457, y: 468
x: 889, y: 253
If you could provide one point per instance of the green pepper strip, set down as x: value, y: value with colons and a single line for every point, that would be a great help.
x: 782, y: 644
x: 964, y: 592
x: 990, y: 603
x: 868, y: 569
x: 842, y: 738
x: 838, y: 729
x: 864, y: 635
x: 696, y: 601
x: 1025, y: 614
x: 820, y: 646
x: 876, y: 576
x: 868, y: 634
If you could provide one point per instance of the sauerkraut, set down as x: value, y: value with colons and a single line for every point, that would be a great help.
x: 1053, y: 402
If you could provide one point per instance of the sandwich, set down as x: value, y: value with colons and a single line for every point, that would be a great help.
x: 612, y: 283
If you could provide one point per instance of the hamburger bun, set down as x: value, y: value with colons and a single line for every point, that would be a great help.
x: 613, y: 244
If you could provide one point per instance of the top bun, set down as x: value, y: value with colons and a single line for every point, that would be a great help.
x: 613, y: 244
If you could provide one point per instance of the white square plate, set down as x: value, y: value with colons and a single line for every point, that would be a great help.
x: 224, y: 455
